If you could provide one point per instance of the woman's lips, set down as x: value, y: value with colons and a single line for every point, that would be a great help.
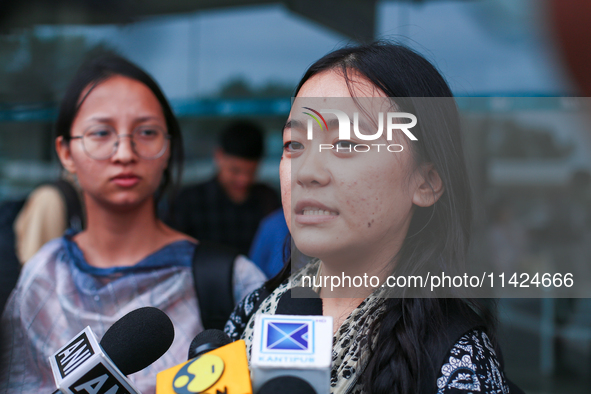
x: 314, y: 212
x: 126, y: 181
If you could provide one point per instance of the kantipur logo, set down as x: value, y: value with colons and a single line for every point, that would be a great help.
x: 287, y: 336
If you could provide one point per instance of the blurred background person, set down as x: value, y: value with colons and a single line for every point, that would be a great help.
x: 49, y: 211
x: 570, y: 22
x: 228, y: 208
x: 116, y: 132
x: 270, y: 248
x: 27, y: 224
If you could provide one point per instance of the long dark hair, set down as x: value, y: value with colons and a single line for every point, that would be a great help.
x: 412, y: 329
x: 96, y: 71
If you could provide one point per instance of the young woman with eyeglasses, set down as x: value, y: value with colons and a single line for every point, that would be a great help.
x: 117, y: 134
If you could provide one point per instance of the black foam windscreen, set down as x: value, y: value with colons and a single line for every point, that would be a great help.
x: 138, y: 339
x: 287, y: 385
x: 206, y: 341
x: 299, y: 301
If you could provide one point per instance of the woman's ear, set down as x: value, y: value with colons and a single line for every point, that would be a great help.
x: 62, y: 148
x: 429, y: 186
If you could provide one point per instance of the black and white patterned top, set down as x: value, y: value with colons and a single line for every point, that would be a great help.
x: 243, y: 312
x: 471, y: 365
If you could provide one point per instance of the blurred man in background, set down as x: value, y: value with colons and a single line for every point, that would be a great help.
x: 228, y: 208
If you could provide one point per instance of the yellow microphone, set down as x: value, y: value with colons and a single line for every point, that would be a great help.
x: 220, y: 371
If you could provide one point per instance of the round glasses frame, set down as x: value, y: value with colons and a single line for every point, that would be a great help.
x: 115, y: 143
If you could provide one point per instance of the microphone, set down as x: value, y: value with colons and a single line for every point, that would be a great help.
x: 287, y: 385
x: 206, y: 341
x: 296, y: 342
x: 216, y: 366
x: 83, y: 366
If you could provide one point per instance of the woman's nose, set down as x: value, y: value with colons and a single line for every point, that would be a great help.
x: 125, y: 149
x: 312, y: 168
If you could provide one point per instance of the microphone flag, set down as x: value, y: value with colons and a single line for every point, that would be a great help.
x: 292, y: 345
x: 220, y: 371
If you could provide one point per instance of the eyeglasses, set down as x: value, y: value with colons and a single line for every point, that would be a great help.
x: 100, y: 142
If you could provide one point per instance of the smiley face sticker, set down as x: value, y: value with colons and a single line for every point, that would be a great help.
x: 198, y: 375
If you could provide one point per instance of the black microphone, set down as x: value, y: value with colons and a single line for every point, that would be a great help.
x: 138, y: 339
x: 309, y: 305
x: 131, y: 344
x: 286, y: 385
x: 206, y: 341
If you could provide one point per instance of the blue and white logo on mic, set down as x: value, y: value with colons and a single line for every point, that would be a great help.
x: 287, y: 336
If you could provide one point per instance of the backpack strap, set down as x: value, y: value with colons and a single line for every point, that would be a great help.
x: 213, y: 270
x: 75, y: 218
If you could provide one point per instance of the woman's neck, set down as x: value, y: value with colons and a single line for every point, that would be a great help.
x: 356, y: 275
x: 339, y: 309
x: 347, y: 281
x: 122, y: 238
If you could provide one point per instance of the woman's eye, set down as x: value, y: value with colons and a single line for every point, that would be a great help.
x: 148, y: 133
x: 344, y: 146
x: 100, y: 134
x: 292, y: 146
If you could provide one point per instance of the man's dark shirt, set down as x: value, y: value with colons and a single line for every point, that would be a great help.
x: 205, y: 212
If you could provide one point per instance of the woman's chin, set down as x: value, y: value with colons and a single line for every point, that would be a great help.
x: 318, y: 249
x: 125, y: 203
